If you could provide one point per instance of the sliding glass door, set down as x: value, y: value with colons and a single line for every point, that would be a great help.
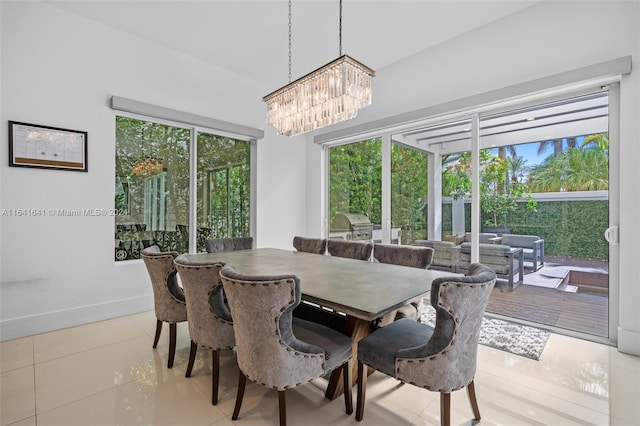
x: 543, y: 192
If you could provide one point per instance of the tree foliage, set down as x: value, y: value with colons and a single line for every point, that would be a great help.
x: 355, y: 179
x: 579, y: 168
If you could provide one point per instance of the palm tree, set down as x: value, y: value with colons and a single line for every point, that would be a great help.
x: 517, y: 166
x: 600, y: 140
x: 555, y: 143
x: 579, y: 168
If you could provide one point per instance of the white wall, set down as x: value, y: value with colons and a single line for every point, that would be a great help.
x: 59, y: 69
x: 545, y: 39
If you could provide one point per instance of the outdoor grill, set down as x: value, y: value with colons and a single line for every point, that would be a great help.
x: 354, y: 226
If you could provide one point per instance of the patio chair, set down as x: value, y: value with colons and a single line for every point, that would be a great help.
x: 506, y: 261
x: 532, y: 247
x: 445, y: 255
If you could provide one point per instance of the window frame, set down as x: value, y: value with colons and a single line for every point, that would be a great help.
x: 194, y: 130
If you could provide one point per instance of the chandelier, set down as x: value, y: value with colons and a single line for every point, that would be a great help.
x: 331, y: 94
x: 147, y: 166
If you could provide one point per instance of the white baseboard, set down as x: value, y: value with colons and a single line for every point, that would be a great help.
x: 49, y: 321
x: 628, y: 341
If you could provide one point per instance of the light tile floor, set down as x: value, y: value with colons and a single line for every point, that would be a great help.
x: 107, y: 373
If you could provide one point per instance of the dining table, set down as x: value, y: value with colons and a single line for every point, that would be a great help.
x: 363, y: 291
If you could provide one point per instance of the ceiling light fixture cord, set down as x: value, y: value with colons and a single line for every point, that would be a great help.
x: 340, y: 31
x: 289, y: 41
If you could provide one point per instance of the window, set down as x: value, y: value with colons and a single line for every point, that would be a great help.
x: 223, y: 187
x: 355, y: 174
x: 152, y: 187
x: 409, y: 183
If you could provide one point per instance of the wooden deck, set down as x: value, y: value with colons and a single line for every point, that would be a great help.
x: 582, y: 312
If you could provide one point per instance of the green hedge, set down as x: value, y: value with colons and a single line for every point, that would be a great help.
x: 569, y: 228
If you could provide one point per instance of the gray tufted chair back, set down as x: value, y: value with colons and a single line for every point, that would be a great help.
x: 267, y: 351
x: 168, y: 296
x: 310, y: 245
x: 217, y: 245
x: 441, y: 358
x: 447, y: 362
x: 360, y: 250
x: 413, y: 256
x: 210, y: 323
x: 275, y: 349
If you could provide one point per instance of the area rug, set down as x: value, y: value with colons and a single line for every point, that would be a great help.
x: 506, y: 336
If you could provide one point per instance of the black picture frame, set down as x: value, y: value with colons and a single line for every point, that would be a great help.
x: 45, y: 147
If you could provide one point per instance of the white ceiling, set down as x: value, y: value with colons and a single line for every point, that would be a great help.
x: 251, y: 37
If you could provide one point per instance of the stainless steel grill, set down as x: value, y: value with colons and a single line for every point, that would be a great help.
x: 354, y: 226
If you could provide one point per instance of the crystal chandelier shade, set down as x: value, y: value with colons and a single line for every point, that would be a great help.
x: 328, y: 95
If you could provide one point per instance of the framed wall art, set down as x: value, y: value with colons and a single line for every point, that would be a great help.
x: 32, y: 145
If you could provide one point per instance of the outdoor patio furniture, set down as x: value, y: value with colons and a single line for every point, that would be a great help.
x: 532, y: 247
x: 506, y: 261
x: 483, y: 237
x: 445, y: 256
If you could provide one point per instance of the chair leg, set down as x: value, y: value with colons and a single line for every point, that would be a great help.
x: 282, y: 408
x: 362, y: 386
x: 445, y: 408
x: 158, y: 331
x: 242, y: 382
x: 471, y: 391
x: 172, y: 344
x: 347, y: 385
x: 192, y: 358
x: 215, y: 376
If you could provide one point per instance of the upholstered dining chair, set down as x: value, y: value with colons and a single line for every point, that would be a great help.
x: 217, y: 245
x: 412, y: 256
x: 275, y: 349
x: 441, y: 358
x: 168, y: 296
x: 310, y: 245
x: 360, y: 250
x: 209, y: 319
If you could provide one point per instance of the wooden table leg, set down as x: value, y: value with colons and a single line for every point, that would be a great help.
x: 358, y: 329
